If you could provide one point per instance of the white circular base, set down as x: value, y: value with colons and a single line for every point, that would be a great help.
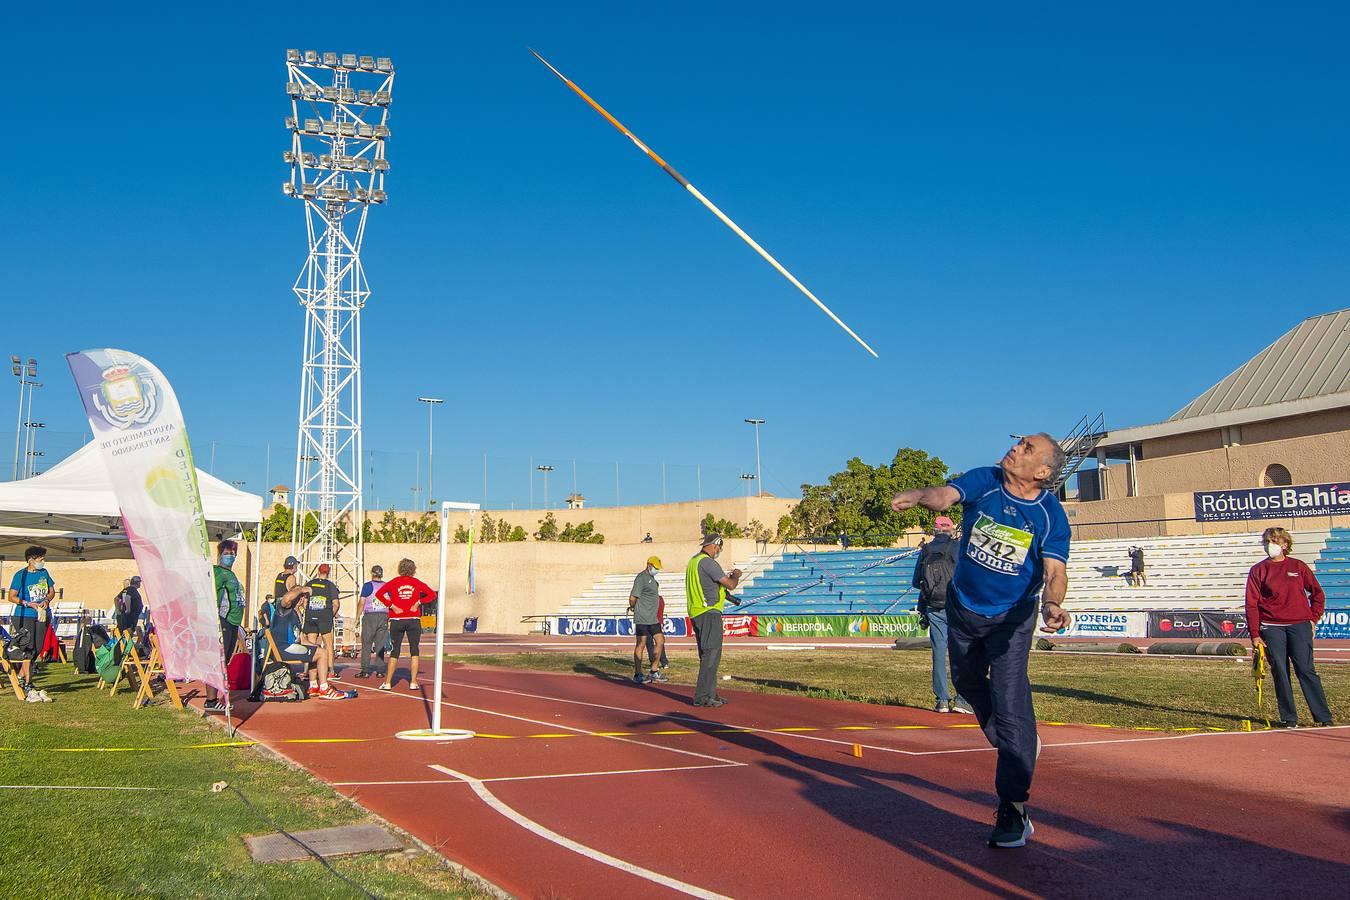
x: 428, y: 734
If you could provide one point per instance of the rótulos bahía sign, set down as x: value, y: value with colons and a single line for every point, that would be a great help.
x: 1297, y: 501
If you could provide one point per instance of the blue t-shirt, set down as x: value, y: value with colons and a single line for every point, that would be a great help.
x: 1004, y: 542
x: 33, y: 587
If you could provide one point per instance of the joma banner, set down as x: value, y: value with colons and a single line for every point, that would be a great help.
x: 1297, y: 501
x: 139, y: 429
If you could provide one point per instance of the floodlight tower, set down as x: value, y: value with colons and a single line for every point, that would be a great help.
x: 338, y: 125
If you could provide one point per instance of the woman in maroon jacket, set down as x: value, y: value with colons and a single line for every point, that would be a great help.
x: 1284, y: 601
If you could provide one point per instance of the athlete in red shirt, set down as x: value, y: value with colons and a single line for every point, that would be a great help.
x: 404, y: 596
x: 1284, y: 601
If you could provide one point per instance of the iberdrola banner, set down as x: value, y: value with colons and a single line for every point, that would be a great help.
x: 139, y: 429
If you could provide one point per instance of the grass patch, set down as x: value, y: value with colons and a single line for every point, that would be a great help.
x: 178, y: 841
x: 1128, y: 691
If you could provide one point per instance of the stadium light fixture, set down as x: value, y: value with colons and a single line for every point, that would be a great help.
x: 747, y: 478
x: 338, y: 167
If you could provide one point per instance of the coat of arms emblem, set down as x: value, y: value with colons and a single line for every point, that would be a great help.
x: 126, y: 397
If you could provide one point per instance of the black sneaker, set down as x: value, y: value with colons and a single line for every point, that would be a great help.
x: 1323, y: 724
x: 362, y: 674
x: 1283, y: 724
x: 638, y: 679
x: 1011, y: 828
x: 213, y: 706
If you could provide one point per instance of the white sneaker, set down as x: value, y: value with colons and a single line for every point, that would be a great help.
x: 34, y: 696
x: 45, y: 698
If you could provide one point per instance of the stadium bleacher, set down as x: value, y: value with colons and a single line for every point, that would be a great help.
x: 1332, y: 566
x: 1192, y: 572
x: 837, y: 582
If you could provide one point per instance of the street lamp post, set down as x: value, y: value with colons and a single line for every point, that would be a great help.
x: 747, y: 478
x: 431, y: 407
x: 545, y: 470
x: 758, y: 471
x: 30, y: 436
x: 24, y: 373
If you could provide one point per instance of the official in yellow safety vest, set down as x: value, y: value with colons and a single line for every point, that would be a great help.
x: 706, y: 585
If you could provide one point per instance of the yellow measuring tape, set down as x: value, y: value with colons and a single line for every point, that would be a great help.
x: 1260, y: 665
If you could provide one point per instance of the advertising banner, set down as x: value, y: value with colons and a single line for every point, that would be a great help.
x: 1272, y: 503
x: 1175, y: 624
x: 1334, y: 624
x: 856, y: 626
x: 671, y: 627
x: 1225, y: 624
x: 739, y: 626
x: 588, y: 625
x: 139, y: 429
x: 1195, y: 624
x: 1106, y: 625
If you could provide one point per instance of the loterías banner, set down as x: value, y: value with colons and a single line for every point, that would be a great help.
x: 139, y: 429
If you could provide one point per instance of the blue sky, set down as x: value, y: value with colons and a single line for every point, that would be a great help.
x: 1031, y: 212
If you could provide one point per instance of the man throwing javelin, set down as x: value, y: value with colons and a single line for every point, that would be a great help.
x: 1014, y: 549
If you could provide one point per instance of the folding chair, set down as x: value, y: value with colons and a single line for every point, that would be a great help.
x: 155, y: 666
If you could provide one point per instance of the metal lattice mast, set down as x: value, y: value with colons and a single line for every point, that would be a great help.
x: 337, y: 157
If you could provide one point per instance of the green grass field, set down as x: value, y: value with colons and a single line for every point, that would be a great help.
x: 1126, y: 691
x: 179, y: 839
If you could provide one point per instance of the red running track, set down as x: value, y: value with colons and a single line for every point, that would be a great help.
x: 605, y: 805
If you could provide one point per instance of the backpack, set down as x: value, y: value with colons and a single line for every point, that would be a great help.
x: 935, y: 575
x: 19, y: 645
x: 278, y: 683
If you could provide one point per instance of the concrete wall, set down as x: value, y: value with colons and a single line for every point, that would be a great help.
x: 511, y: 580
x: 1165, y: 514
x: 1315, y: 448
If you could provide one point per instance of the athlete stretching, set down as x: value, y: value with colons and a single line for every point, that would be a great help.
x: 1014, y: 547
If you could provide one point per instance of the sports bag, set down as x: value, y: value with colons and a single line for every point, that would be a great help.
x: 935, y: 574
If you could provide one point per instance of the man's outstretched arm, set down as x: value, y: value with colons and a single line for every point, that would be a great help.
x: 935, y: 498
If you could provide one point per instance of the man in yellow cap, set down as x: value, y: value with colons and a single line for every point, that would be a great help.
x: 644, y: 601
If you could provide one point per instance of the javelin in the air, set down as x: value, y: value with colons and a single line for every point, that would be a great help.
x: 705, y: 201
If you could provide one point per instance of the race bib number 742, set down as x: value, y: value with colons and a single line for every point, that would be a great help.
x: 999, y: 547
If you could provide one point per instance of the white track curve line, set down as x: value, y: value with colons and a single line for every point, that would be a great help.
x: 540, y: 777
x: 589, y: 852
x: 610, y: 737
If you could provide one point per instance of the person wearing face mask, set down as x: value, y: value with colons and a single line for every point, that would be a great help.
x: 644, y: 601
x: 31, y: 592
x: 230, y: 606
x: 1284, y: 601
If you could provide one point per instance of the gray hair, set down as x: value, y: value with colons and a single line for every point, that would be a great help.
x: 1055, y: 458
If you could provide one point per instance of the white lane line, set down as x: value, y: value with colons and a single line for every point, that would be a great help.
x: 493, y: 712
x: 542, y: 777
x: 75, y: 787
x: 589, y: 852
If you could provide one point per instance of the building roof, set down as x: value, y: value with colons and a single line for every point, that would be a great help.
x: 1309, y: 360
x: 279, y: 488
x: 1306, y: 370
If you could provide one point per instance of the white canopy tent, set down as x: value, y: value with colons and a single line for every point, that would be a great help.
x: 72, y: 511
